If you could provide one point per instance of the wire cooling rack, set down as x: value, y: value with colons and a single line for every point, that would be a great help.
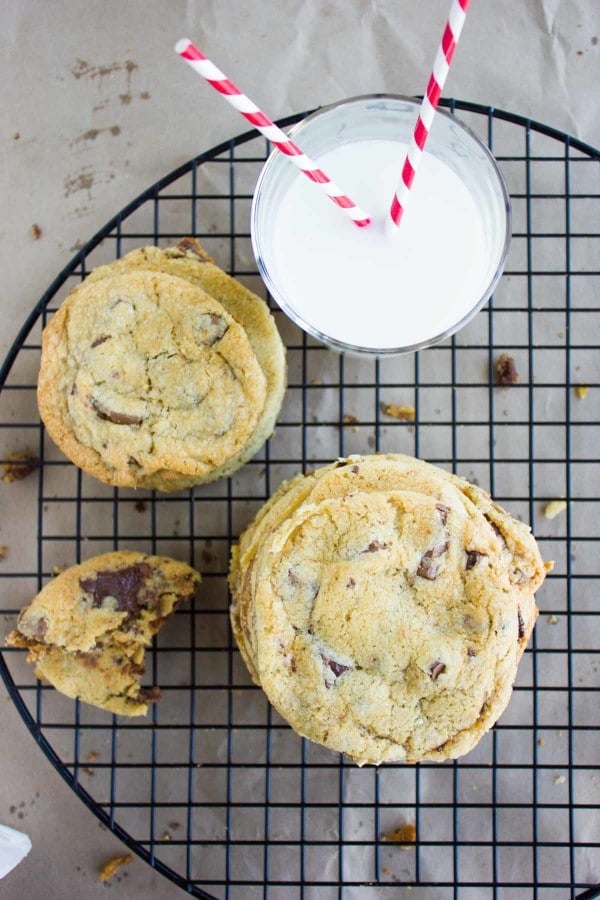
x: 212, y: 788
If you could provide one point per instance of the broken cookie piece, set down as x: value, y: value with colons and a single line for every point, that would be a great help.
x: 18, y: 466
x: 87, y: 629
x: 111, y: 866
x: 404, y: 413
x: 505, y: 370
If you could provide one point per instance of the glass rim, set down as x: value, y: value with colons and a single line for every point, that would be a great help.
x: 356, y: 349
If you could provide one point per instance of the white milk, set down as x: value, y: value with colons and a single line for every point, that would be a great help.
x: 361, y: 286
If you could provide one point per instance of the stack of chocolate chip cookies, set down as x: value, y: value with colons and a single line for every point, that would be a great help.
x: 161, y: 371
x: 383, y: 605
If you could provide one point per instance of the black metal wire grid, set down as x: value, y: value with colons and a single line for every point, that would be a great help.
x: 213, y: 789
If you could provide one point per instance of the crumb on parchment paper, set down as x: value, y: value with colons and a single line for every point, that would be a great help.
x: 505, y: 370
x: 111, y: 866
x: 405, y: 836
x: 36, y: 232
x: 554, y: 508
x: 582, y: 390
x: 18, y: 466
x: 349, y: 419
x: 3, y: 551
x: 404, y: 413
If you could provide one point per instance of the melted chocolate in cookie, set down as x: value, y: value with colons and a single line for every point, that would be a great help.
x: 125, y: 585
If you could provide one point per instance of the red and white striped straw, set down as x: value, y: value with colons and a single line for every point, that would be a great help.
x: 204, y: 67
x: 454, y: 26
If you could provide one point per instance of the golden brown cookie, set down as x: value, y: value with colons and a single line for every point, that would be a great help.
x: 147, y: 381
x: 87, y: 629
x: 188, y: 260
x: 384, y: 604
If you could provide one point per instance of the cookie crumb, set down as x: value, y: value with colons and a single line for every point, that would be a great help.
x: 552, y: 620
x: 404, y: 413
x: 554, y: 508
x: 405, y: 835
x: 36, y: 232
x: 540, y: 742
x: 505, y: 370
x: 582, y: 390
x: 16, y: 136
x: 89, y: 772
x: 174, y: 825
x: 316, y: 382
x: 349, y: 419
x: 92, y: 756
x: 390, y: 873
x: 18, y: 466
x: 165, y: 836
x: 140, y: 506
x: 111, y: 866
x: 3, y: 551
x: 559, y: 779
x: 549, y: 565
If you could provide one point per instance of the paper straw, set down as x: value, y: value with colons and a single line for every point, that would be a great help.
x: 435, y: 85
x: 204, y: 67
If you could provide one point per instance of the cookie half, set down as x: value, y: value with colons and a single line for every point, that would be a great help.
x: 384, y: 604
x: 87, y: 630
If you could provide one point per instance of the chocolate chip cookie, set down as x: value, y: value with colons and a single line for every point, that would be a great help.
x: 384, y: 604
x: 188, y: 260
x: 87, y: 630
x: 147, y: 381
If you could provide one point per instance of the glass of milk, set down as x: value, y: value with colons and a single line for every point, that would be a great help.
x: 362, y: 290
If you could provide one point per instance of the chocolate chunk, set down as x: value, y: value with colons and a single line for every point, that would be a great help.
x: 521, y: 625
x: 471, y: 652
x: 117, y: 418
x: 341, y: 463
x: 473, y: 557
x: 101, y: 340
x: 355, y: 470
x: 73, y: 390
x: 336, y: 667
x: 41, y: 627
x: 132, y: 461
x: 427, y: 567
x: 210, y: 328
x: 125, y: 585
x: 436, y: 669
x: 496, y: 531
x: 89, y: 660
x: 149, y: 694
x: 351, y: 583
x: 443, y: 511
x: 374, y: 547
x: 187, y: 246
x: 505, y: 370
x: 292, y: 577
x: 293, y: 665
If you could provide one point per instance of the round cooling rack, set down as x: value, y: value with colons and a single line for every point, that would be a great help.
x: 213, y: 789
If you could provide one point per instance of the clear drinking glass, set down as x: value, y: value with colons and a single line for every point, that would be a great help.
x: 392, y: 118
